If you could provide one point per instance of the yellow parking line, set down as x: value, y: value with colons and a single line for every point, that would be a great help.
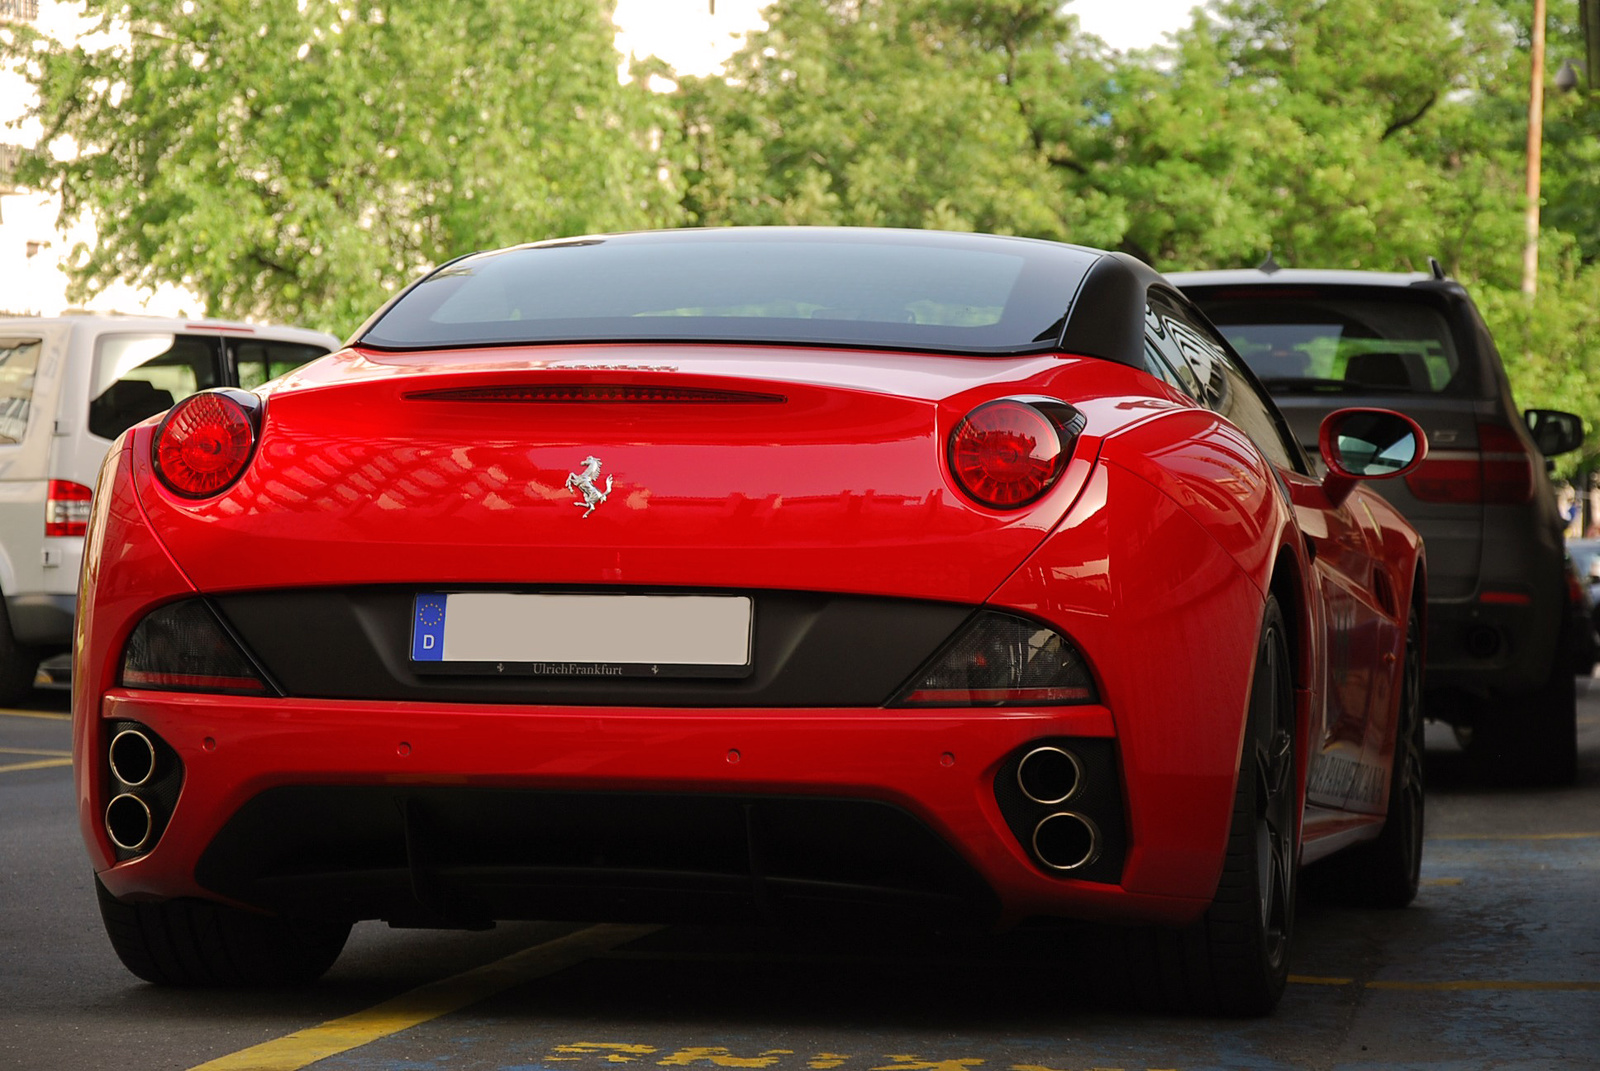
x: 425, y: 1003
x: 41, y: 764
x: 1519, y: 836
x: 1464, y: 984
x: 1553, y: 987
x: 47, y: 715
x: 1443, y: 881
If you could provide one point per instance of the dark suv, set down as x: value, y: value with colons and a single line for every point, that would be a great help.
x: 1504, y: 637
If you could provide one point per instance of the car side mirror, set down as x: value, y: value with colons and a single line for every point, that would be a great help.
x: 1367, y: 444
x: 1554, y: 432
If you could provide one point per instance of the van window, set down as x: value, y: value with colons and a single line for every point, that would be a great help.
x: 140, y: 375
x: 19, y: 358
x: 259, y: 360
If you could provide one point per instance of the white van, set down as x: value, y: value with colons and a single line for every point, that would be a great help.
x: 68, y: 387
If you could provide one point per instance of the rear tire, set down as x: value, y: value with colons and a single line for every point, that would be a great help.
x: 1385, y: 873
x: 199, y: 943
x: 1235, y: 960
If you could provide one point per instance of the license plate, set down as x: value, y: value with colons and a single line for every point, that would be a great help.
x: 550, y: 635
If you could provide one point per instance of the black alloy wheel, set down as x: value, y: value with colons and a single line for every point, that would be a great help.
x: 1276, y: 811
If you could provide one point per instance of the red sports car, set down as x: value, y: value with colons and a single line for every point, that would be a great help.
x: 749, y: 574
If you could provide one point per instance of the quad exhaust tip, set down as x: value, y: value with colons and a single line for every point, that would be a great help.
x: 1049, y: 775
x: 132, y: 757
x: 1066, y: 841
x: 129, y: 822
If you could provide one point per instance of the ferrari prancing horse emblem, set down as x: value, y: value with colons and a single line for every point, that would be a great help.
x: 583, y: 483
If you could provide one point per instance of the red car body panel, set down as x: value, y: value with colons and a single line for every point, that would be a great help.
x: 1155, y: 553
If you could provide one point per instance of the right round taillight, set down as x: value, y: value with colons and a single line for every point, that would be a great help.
x: 205, y: 442
x: 1005, y: 454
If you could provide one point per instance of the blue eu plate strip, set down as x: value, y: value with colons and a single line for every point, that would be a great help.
x: 427, y: 629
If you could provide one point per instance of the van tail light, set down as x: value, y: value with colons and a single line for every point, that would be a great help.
x: 1008, y: 453
x: 184, y: 647
x: 999, y: 659
x: 205, y: 442
x: 66, y: 508
x: 1502, y: 474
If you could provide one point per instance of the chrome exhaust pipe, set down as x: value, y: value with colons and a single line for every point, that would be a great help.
x: 132, y: 757
x: 1049, y: 775
x: 1066, y: 841
x: 129, y: 822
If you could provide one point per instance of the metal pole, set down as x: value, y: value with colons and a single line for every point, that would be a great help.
x: 1530, y: 250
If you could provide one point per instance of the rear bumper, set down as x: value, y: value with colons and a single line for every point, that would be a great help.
x: 434, y: 813
x: 1489, y: 649
x: 42, y: 620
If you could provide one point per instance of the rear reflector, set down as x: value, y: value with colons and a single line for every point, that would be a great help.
x: 567, y: 393
x: 1002, y: 660
x: 183, y: 647
x: 66, y: 508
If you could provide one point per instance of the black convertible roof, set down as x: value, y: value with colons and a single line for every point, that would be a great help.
x: 929, y: 291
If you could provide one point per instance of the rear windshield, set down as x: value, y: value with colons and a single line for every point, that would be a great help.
x: 1308, y: 341
x: 920, y: 291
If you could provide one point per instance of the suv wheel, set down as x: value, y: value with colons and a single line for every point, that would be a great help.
x: 18, y: 664
x: 1529, y: 739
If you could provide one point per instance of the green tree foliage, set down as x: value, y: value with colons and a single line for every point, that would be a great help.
x: 301, y: 159
x: 905, y: 113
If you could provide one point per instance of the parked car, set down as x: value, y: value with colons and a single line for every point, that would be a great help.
x: 747, y: 575
x: 68, y: 387
x: 1501, y: 651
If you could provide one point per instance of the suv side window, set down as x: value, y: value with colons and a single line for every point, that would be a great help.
x: 1227, y: 388
x: 140, y: 375
x: 19, y: 359
x: 258, y: 360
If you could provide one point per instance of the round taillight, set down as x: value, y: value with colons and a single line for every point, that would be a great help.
x: 1005, y: 454
x: 205, y: 442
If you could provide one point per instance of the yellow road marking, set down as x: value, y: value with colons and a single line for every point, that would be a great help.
x: 37, y: 764
x: 53, y: 752
x: 425, y: 1003
x: 1444, y: 881
x: 1464, y: 984
x: 1519, y: 836
x: 48, y: 715
x: 1554, y: 987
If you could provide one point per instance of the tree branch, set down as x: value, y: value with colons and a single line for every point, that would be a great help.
x: 1400, y: 124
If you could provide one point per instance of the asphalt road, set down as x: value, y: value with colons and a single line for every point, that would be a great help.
x: 1497, y: 965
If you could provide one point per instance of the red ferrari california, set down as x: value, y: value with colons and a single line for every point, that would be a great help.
x: 786, y: 575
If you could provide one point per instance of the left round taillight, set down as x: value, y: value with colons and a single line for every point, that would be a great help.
x: 1007, y: 453
x: 205, y: 442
